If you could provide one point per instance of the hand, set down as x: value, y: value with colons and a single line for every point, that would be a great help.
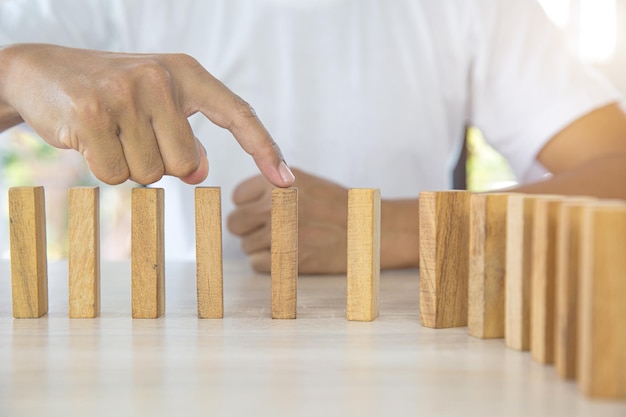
x: 322, y: 223
x: 127, y: 113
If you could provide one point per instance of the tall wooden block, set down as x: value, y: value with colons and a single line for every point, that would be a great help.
x: 363, y: 254
x: 209, y: 270
x: 520, y: 211
x: 568, y: 254
x: 84, y: 252
x: 543, y: 276
x: 284, y: 253
x: 29, y: 271
x: 444, y: 258
x: 147, y: 253
x: 487, y: 263
x: 602, y: 331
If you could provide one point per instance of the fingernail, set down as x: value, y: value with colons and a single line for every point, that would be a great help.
x: 285, y: 173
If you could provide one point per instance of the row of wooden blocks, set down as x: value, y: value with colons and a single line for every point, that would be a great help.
x: 29, y: 258
x: 547, y: 273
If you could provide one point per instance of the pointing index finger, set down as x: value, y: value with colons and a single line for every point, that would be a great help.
x: 227, y: 110
x: 256, y: 140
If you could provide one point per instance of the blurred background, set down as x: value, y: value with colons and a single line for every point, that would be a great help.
x: 594, y: 29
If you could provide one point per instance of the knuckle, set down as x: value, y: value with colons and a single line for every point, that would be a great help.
x: 110, y: 168
x: 257, y: 241
x: 93, y: 112
x: 120, y: 87
x: 256, y: 188
x: 155, y: 73
x: 260, y: 262
x: 184, y: 166
x: 246, y: 246
x: 149, y: 176
x: 114, y: 177
x: 185, y: 60
x: 244, y: 109
x: 266, y: 149
x: 232, y: 223
x: 68, y: 137
x: 241, y: 113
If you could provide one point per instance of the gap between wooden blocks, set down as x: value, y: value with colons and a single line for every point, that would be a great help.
x: 29, y: 263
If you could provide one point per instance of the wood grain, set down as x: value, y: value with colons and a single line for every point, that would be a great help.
x: 147, y: 253
x: 487, y: 252
x: 444, y: 258
x: 209, y: 269
x: 284, y: 253
x: 363, y: 261
x: 543, y: 278
x: 84, y: 252
x: 29, y: 273
x: 602, y: 331
x: 518, y: 283
x: 567, y: 270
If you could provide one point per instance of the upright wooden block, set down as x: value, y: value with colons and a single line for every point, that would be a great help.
x: 602, y: 331
x: 284, y: 253
x: 29, y: 270
x: 84, y: 252
x: 567, y: 270
x: 543, y: 273
x: 444, y: 258
x: 363, y: 254
x: 147, y: 253
x: 487, y: 263
x: 520, y: 211
x: 209, y: 271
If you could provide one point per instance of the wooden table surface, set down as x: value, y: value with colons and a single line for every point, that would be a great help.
x: 250, y: 365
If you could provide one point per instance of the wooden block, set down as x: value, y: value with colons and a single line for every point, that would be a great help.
x: 84, y: 252
x: 602, y: 331
x: 543, y: 275
x: 29, y: 270
x: 147, y: 253
x: 363, y: 254
x: 209, y: 270
x: 567, y: 270
x: 284, y: 263
x: 487, y: 252
x: 520, y: 209
x: 444, y: 258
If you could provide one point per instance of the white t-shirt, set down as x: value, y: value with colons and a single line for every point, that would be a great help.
x: 368, y: 93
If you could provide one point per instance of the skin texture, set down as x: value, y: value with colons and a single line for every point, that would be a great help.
x: 588, y: 157
x: 127, y: 113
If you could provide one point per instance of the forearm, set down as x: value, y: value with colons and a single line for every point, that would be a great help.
x: 603, y: 177
x: 399, y: 243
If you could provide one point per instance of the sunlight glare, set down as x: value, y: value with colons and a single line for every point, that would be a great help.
x: 598, y: 30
